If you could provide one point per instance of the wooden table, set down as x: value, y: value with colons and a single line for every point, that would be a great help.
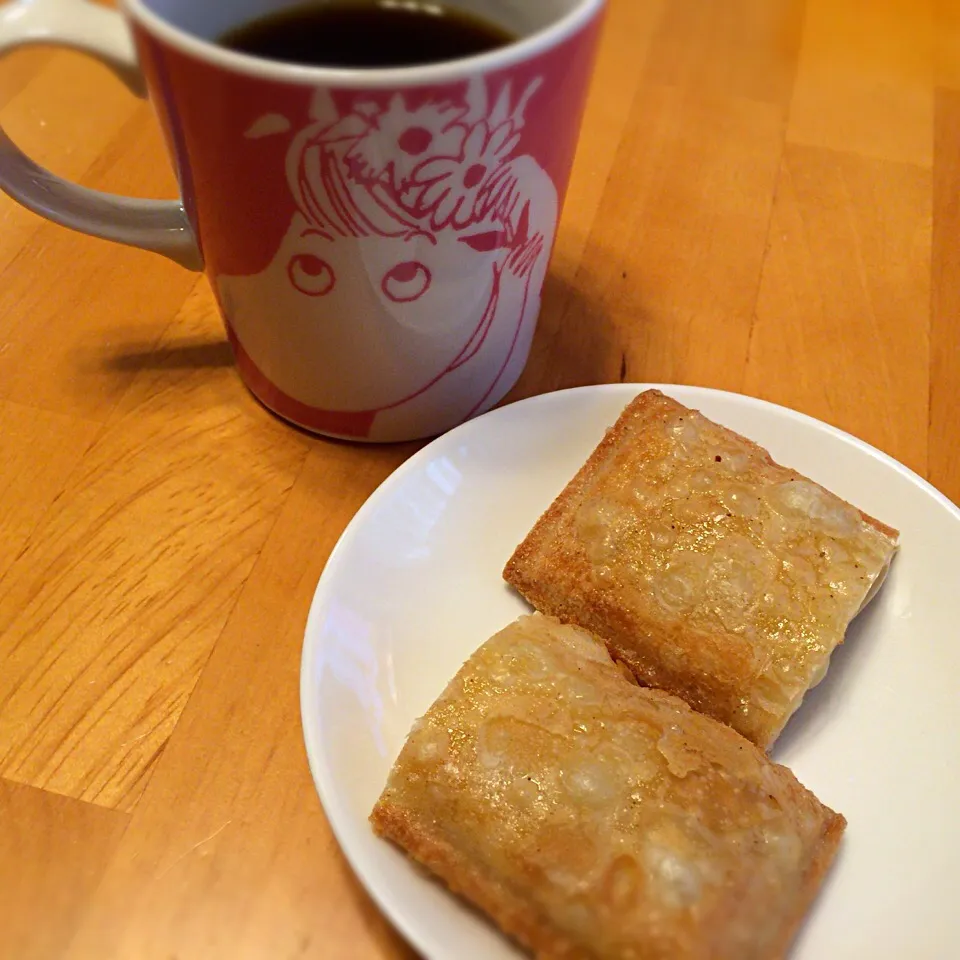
x: 766, y: 199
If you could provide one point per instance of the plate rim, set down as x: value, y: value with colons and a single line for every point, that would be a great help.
x: 322, y: 777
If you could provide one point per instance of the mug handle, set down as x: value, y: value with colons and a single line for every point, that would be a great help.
x: 160, y: 226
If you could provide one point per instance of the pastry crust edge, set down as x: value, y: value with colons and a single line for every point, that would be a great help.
x: 583, y: 605
x: 512, y: 914
x: 518, y: 919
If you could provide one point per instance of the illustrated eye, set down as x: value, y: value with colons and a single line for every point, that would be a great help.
x: 311, y: 275
x: 406, y: 281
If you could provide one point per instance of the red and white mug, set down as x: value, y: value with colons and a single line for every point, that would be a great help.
x: 377, y: 240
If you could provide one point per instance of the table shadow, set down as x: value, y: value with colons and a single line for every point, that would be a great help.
x: 576, y: 343
x: 186, y: 354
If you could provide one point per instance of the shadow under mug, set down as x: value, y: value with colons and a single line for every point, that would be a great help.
x: 377, y: 239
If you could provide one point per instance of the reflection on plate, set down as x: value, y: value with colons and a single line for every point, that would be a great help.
x: 414, y: 587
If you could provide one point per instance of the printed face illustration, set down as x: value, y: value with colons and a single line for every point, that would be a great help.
x: 415, y: 260
x: 409, y: 305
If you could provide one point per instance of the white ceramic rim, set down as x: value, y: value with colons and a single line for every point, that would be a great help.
x: 322, y: 776
x: 447, y: 72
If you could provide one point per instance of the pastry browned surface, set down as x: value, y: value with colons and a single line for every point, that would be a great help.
x: 593, y: 818
x: 710, y: 570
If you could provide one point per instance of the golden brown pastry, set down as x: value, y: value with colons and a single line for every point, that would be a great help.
x: 711, y: 571
x: 595, y: 819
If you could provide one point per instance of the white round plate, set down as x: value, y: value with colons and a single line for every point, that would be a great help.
x: 414, y: 587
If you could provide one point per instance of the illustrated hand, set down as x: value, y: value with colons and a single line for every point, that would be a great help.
x: 525, y: 255
x: 526, y: 248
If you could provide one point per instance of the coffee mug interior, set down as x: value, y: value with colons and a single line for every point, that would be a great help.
x: 212, y: 18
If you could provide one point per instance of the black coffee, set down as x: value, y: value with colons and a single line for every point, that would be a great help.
x: 367, y: 34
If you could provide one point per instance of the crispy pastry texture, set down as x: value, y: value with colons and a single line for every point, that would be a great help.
x: 711, y: 571
x: 592, y: 818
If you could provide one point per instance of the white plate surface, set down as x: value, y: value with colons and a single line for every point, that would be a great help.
x: 414, y: 587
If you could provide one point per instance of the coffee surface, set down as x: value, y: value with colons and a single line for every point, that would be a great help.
x: 367, y: 34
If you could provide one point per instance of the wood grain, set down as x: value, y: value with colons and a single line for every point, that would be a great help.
x: 742, y: 48
x: 944, y: 411
x: 766, y: 198
x: 85, y: 297
x: 53, y: 852
x: 947, y: 40
x: 41, y: 450
x: 843, y: 313
x: 19, y: 69
x: 111, y: 611
x: 63, y: 115
x: 660, y: 275
x: 230, y: 817
x: 865, y: 79
x: 629, y: 29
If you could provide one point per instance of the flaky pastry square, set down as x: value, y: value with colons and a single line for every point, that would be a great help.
x: 593, y: 818
x: 711, y: 571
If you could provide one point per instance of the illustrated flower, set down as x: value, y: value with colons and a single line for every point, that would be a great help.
x: 400, y: 137
x: 449, y: 188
